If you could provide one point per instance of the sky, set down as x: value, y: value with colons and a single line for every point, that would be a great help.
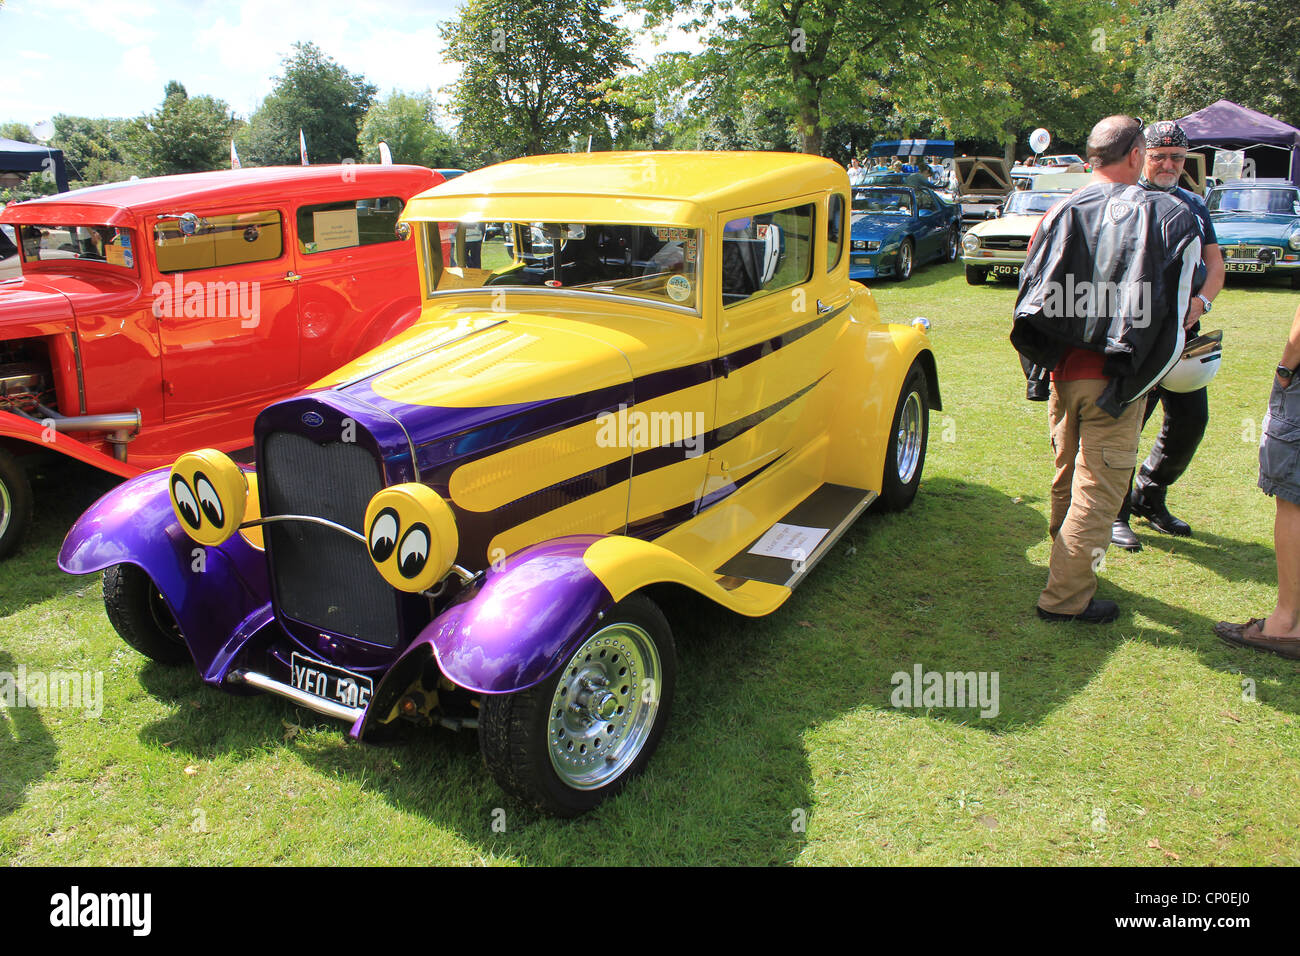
x: 113, y: 57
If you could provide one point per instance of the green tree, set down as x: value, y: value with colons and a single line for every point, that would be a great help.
x: 15, y: 130
x: 406, y: 123
x: 534, y: 74
x: 97, y: 149
x: 1247, y: 51
x: 184, y: 135
x: 318, y: 96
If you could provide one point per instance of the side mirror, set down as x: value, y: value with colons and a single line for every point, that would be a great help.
x: 771, y: 239
x: 402, y: 230
x: 992, y: 214
x: 186, y: 222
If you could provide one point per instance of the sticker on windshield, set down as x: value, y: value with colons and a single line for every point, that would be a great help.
x: 679, y: 288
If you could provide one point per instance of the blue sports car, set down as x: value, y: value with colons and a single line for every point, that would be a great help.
x: 895, y: 228
x: 1258, y: 225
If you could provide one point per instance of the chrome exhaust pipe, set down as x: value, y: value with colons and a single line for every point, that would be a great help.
x: 122, y: 426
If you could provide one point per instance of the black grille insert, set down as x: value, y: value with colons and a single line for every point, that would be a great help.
x: 324, y: 578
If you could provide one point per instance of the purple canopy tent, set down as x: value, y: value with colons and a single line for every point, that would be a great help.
x: 1226, y: 125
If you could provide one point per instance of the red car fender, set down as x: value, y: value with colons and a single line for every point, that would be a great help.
x: 16, y: 428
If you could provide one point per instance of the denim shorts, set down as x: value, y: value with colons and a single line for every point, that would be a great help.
x: 1279, y: 446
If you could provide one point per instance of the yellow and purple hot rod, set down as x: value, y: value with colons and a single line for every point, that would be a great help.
x: 671, y: 385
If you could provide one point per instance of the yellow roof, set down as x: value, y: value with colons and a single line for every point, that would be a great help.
x: 680, y: 188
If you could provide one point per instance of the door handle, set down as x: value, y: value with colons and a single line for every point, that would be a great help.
x: 291, y: 276
x: 822, y: 307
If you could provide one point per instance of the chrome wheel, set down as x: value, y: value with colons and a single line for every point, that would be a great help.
x: 908, y: 447
x: 6, y: 508
x: 954, y: 245
x: 604, y: 706
x: 904, y: 261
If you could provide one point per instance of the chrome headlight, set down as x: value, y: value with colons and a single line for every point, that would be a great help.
x: 970, y: 242
x: 873, y: 245
x: 859, y: 245
x: 1293, y: 240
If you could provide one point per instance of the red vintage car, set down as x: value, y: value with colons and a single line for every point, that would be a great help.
x: 160, y: 315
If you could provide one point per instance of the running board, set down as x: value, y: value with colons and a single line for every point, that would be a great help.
x: 831, y: 508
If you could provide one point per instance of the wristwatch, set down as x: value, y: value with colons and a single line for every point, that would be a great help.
x: 1206, y: 301
x: 1284, y: 373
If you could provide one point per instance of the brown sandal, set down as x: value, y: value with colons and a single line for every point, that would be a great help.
x: 1251, y: 634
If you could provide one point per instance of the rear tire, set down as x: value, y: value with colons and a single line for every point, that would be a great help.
x: 579, y: 736
x: 138, y: 613
x: 976, y: 276
x: 905, y: 456
x: 15, y: 503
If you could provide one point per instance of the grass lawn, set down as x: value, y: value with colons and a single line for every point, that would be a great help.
x: 1142, y: 742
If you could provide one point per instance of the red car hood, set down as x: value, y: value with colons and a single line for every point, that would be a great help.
x: 38, y: 304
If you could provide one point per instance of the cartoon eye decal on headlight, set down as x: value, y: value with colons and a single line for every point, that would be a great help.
x: 208, y: 499
x: 411, y: 536
x: 183, y: 503
x: 383, y: 535
x: 209, y: 495
x: 414, y: 553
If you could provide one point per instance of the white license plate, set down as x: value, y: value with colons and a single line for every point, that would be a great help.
x: 331, y: 683
x: 1243, y: 267
x: 1006, y: 270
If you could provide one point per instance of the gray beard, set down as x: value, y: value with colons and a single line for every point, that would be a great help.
x: 1148, y: 184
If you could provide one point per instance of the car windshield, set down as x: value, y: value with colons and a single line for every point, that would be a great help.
x: 650, y: 262
x: 884, y: 202
x: 1253, y: 199
x: 88, y: 243
x: 1029, y: 203
x: 1063, y: 160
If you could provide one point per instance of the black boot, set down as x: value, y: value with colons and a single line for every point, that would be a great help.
x: 1148, y: 501
x: 1122, y: 536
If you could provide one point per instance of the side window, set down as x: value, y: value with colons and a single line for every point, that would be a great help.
x: 925, y: 201
x: 226, y: 240
x: 834, y: 232
x: 766, y: 252
x: 345, y: 225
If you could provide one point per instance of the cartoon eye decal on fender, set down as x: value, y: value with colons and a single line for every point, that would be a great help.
x: 183, y: 502
x: 383, y: 535
x: 209, y: 495
x: 208, y: 499
x: 414, y: 553
x: 411, y: 536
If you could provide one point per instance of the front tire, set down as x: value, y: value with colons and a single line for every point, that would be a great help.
x: 579, y: 736
x: 905, y: 457
x: 906, y: 257
x: 15, y: 503
x: 954, y: 244
x: 138, y: 613
x: 975, y: 275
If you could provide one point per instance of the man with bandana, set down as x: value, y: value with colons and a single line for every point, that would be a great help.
x: 1185, y: 413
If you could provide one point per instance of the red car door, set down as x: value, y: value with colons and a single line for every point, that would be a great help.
x: 227, y: 312
x: 359, y: 283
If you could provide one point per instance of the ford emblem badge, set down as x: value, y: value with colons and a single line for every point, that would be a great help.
x: 313, y: 419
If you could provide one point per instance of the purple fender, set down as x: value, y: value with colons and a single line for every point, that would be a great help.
x: 531, y: 612
x: 211, y: 599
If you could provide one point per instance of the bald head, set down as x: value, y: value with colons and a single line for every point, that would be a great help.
x: 1116, y: 148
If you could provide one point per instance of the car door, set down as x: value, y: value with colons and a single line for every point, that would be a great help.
x: 775, y: 332
x: 227, y: 311
x: 354, y: 273
x: 931, y: 226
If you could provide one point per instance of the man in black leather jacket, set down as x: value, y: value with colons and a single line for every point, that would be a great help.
x: 1185, y: 413
x: 1103, y: 295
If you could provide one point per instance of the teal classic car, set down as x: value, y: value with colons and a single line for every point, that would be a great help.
x: 1258, y: 225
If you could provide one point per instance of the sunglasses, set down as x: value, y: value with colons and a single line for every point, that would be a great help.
x: 1139, y: 138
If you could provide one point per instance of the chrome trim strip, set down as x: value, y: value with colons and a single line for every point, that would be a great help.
x: 310, y: 519
x: 299, y: 697
x: 576, y: 293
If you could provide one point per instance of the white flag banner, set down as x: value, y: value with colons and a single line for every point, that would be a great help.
x: 302, y: 147
x: 385, y: 155
x: 234, y: 157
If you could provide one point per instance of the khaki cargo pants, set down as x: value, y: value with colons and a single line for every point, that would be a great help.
x: 1095, y: 455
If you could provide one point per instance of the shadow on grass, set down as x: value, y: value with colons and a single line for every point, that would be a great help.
x: 61, y: 490
x: 947, y: 585
x: 27, y: 751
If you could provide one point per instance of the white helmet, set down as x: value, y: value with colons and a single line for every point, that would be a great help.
x: 1199, y: 363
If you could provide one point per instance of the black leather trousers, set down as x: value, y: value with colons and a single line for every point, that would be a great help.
x: 1186, y: 415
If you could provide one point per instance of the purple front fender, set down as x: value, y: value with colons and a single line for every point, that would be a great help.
x: 530, y: 613
x: 210, y: 591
